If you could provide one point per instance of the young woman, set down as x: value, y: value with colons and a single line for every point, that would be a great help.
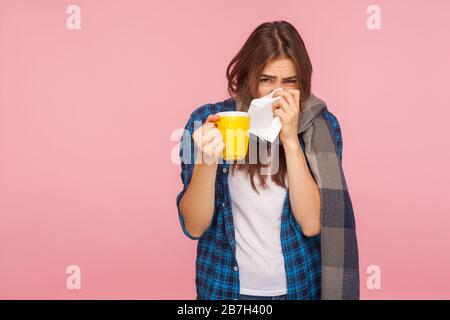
x: 259, y: 235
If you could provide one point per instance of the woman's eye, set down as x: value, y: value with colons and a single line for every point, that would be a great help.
x: 266, y: 80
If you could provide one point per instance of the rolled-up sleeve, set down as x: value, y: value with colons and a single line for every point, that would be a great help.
x: 186, y: 153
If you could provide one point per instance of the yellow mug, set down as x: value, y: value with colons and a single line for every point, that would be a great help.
x: 234, y: 127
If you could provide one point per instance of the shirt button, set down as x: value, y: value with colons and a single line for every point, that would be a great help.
x: 224, y: 170
x: 223, y: 204
x: 235, y: 268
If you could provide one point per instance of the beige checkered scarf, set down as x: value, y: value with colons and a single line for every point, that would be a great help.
x: 339, y: 247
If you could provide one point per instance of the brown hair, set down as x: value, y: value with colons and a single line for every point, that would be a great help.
x: 269, y: 41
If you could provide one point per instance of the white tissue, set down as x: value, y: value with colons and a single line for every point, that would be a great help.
x: 262, y: 122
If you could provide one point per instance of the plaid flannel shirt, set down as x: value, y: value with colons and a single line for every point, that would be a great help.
x: 217, y: 270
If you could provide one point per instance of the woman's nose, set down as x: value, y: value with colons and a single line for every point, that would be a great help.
x: 280, y: 85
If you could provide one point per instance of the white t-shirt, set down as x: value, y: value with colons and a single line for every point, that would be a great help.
x: 257, y: 224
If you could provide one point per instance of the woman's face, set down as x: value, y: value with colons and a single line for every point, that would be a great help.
x: 278, y: 73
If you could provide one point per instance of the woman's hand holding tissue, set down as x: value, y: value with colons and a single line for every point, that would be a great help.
x: 288, y: 109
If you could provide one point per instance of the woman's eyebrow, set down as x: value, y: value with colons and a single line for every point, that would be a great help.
x: 274, y: 77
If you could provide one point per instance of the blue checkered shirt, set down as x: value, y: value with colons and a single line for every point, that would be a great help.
x: 217, y: 270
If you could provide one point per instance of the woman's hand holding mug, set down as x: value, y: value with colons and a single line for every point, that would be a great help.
x: 209, y: 141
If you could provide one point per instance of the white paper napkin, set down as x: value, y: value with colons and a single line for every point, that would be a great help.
x: 262, y: 122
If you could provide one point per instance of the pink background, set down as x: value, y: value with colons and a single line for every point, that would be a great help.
x: 86, y: 118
